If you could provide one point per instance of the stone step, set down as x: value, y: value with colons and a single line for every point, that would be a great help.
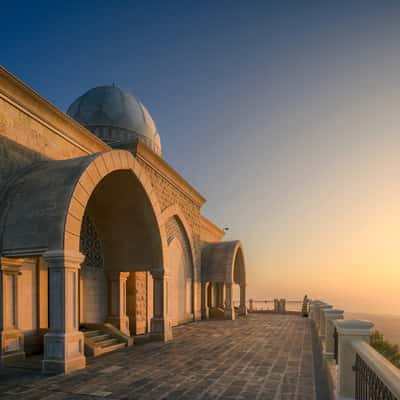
x: 107, y: 349
x: 90, y: 334
x: 100, y: 341
x: 100, y: 338
x: 108, y: 342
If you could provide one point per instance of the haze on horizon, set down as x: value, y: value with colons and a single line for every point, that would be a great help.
x: 285, y: 116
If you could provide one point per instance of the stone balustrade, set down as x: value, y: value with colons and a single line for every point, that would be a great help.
x: 355, y: 369
x: 330, y: 315
x: 383, y: 374
x: 278, y: 306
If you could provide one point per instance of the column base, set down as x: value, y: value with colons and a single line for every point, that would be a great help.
x: 243, y: 310
x: 328, y: 355
x: 63, y: 352
x: 121, y: 323
x: 11, y: 346
x: 161, y: 329
x: 205, y: 314
x: 229, y: 314
x: 197, y: 315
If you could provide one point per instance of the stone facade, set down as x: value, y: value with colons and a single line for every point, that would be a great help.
x: 93, y: 235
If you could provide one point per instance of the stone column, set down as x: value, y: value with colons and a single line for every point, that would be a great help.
x: 282, y: 305
x: 348, y: 331
x: 221, y: 295
x: 315, y: 312
x: 312, y: 310
x: 322, y: 319
x: 276, y: 305
x: 63, y: 344
x: 330, y: 316
x: 160, y: 326
x: 117, y: 301
x: 242, y: 306
x: 204, y: 308
x: 229, y: 312
x: 214, y: 292
x: 11, y: 338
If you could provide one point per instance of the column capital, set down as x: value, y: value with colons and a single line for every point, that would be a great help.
x: 317, y: 303
x: 10, y: 265
x: 117, y: 275
x: 63, y: 259
x: 353, y: 327
x: 333, y: 313
x: 157, y: 273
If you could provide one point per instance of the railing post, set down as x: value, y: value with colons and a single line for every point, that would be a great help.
x: 318, y: 316
x: 314, y: 308
x: 348, y: 331
x: 322, y: 321
x: 276, y: 305
x: 282, y: 303
x: 330, y: 316
x: 251, y: 305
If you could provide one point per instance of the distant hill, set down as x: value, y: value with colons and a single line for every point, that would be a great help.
x: 389, y: 325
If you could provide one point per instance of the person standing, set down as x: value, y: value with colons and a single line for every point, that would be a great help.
x: 304, y: 308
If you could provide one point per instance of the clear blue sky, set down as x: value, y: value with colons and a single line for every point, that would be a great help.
x: 285, y: 115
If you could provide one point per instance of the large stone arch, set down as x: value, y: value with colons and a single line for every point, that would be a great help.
x: 42, y: 215
x: 95, y: 174
x: 45, y: 206
x: 180, y: 260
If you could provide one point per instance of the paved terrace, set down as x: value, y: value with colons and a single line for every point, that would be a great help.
x: 263, y: 356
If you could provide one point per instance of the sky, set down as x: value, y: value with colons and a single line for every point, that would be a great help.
x: 285, y: 115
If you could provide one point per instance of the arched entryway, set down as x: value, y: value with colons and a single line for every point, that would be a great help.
x: 179, y: 267
x: 223, y: 266
x: 105, y: 193
x: 119, y: 238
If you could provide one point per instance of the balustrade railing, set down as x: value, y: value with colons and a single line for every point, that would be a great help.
x: 368, y: 384
x: 375, y: 377
x: 276, y: 305
x: 357, y: 370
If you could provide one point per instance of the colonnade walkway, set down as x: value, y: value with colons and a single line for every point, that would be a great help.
x: 261, y: 356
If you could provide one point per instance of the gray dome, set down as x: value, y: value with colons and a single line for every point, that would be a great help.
x: 115, y: 117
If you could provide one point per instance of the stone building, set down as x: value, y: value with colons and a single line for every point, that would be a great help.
x: 102, y: 242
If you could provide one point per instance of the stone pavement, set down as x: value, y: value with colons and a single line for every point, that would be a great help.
x: 262, y: 356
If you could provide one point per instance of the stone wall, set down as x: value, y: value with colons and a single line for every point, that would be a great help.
x: 141, y: 302
x: 209, y: 232
x: 138, y: 302
x: 93, y: 298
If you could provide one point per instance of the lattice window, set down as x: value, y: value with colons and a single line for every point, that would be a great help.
x: 90, y: 245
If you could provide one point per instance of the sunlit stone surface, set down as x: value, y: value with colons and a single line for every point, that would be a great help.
x: 262, y: 356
